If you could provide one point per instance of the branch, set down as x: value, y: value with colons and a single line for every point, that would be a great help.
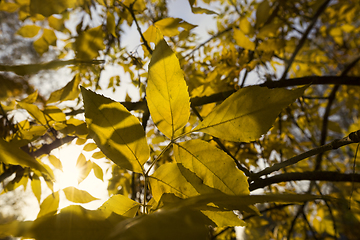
x: 47, y: 148
x: 353, y: 137
x: 314, y: 80
x: 28, y: 69
x: 310, y: 175
x: 304, y: 37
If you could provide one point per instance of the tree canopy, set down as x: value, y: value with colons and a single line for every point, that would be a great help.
x: 256, y: 126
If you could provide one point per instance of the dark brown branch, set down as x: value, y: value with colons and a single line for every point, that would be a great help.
x: 47, y: 148
x: 314, y: 80
x: 301, y: 176
x: 353, y: 137
x: 304, y: 38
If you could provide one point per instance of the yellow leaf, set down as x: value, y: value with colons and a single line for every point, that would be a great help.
x: 53, y: 113
x: 98, y: 172
x: 247, y: 113
x: 246, y: 27
x: 170, y: 26
x: 110, y: 23
x: 28, y: 31
x: 55, y: 162
x: 56, y: 23
x: 121, y: 205
x: 31, y: 98
x: 69, y: 92
x: 84, y: 167
x: 89, y: 43
x: 78, y: 196
x: 36, y: 187
x: 90, y: 147
x: 213, y: 166
x: 224, y: 218
x: 50, y: 7
x: 242, y: 40
x: 9, y: 7
x: 167, y: 95
x: 176, y: 179
x: 153, y: 35
x: 34, y: 111
x: 98, y: 155
x: 10, y: 154
x: 41, y: 45
x: 49, y: 205
x: 262, y: 13
x: 115, y: 131
x: 72, y: 223
x: 49, y: 36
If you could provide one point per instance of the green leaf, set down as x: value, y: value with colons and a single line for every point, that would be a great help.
x: 115, y: 131
x: 49, y: 205
x: 167, y: 95
x: 243, y: 41
x: 10, y: 154
x: 89, y: 43
x: 213, y: 166
x: 36, y: 187
x: 29, y: 31
x: 247, y: 113
x: 175, y: 224
x: 78, y: 196
x: 121, y: 205
x: 34, y: 111
x: 69, y: 92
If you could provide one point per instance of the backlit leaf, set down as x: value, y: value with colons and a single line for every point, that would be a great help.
x: 170, y: 26
x: 72, y: 223
x: 10, y: 154
x: 175, y: 224
x: 49, y: 205
x: 98, y: 172
x: 176, y: 179
x: 34, y: 111
x: 110, y: 23
x: 242, y: 40
x: 41, y: 45
x: 89, y: 43
x: 213, y: 166
x: 49, y: 36
x: 89, y: 147
x: 29, y: 31
x: 69, y: 92
x: 36, y: 187
x: 55, y: 162
x: 247, y: 113
x: 167, y: 95
x: 115, y: 131
x: 121, y: 205
x: 224, y: 218
x: 262, y: 13
x: 50, y: 7
x: 78, y: 196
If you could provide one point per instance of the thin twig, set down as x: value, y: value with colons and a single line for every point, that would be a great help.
x: 304, y: 38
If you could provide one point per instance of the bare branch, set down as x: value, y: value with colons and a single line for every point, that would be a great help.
x: 309, y: 175
x: 353, y: 137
